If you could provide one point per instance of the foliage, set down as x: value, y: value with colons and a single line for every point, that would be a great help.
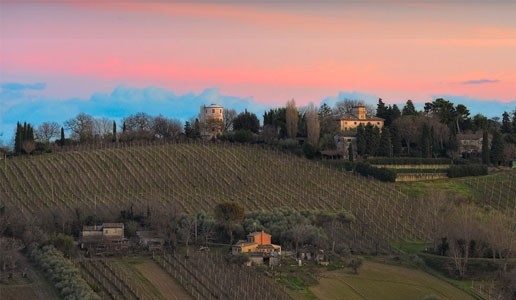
x: 409, y: 161
x: 382, y: 174
x: 24, y: 138
x: 246, y: 121
x: 466, y: 170
x: 497, y: 148
x: 229, y: 214
x: 61, y: 272
x: 292, y: 117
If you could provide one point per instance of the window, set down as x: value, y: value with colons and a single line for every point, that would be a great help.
x: 355, y: 123
x: 378, y: 123
x: 220, y: 110
x: 213, y: 111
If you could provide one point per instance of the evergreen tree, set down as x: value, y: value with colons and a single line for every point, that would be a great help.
x: 453, y: 143
x: 496, y: 153
x: 409, y: 109
x: 485, y: 148
x: 395, y: 140
x: 361, y: 140
x: 188, y: 129
x: 372, y: 135
x: 17, y: 138
x: 247, y: 121
x: 114, y: 131
x: 385, y: 143
x: 350, y: 152
x: 396, y: 113
x: 382, y: 111
x: 425, y: 141
x: 23, y: 134
x: 62, y: 141
x: 514, y: 121
x: 124, y: 128
x: 506, y: 123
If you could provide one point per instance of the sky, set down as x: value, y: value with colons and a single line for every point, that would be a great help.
x: 113, y: 58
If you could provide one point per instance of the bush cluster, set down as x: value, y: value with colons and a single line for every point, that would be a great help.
x: 61, y: 272
x: 467, y: 170
x: 382, y: 174
x: 409, y: 161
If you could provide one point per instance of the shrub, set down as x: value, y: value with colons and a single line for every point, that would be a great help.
x: 243, y: 136
x: 409, y: 161
x: 309, y: 151
x: 467, y: 170
x: 382, y: 174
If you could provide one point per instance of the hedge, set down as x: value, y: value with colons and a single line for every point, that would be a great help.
x: 467, y: 170
x: 409, y: 161
x: 382, y: 174
x: 62, y: 272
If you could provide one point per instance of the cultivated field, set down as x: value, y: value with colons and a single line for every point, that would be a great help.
x: 195, y: 177
x: 377, y: 281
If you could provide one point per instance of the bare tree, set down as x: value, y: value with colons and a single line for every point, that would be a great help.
x: 102, y: 128
x: 29, y: 146
x: 408, y: 127
x: 166, y: 128
x: 46, y: 131
x: 313, y: 125
x: 138, y: 126
x: 229, y: 116
x: 345, y: 107
x: 300, y: 234
x: 81, y: 127
x: 292, y: 119
x: 186, y: 230
x: 500, y: 232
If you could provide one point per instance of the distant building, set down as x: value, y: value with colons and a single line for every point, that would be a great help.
x: 150, y: 240
x: 357, y: 117
x: 257, y: 243
x: 470, y: 142
x: 212, y: 120
x: 104, y: 238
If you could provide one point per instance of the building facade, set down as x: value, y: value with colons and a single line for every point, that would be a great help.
x: 258, y: 242
x: 358, y: 116
x: 212, y: 120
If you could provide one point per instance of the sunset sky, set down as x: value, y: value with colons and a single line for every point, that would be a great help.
x: 110, y: 58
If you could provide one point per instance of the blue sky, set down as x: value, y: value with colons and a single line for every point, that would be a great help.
x: 26, y: 102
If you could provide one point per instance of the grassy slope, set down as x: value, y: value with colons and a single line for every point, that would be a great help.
x: 385, y: 282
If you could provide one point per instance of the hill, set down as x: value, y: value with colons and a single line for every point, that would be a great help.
x: 195, y: 177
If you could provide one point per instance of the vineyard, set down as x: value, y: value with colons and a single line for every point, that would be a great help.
x: 497, y: 191
x: 195, y: 177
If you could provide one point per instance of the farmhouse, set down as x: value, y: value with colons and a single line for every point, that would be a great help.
x: 258, y: 242
x: 357, y: 117
x: 103, y: 238
x: 470, y: 142
x: 150, y: 240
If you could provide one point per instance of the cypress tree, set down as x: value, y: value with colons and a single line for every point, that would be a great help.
x: 18, y: 138
x: 63, y: 141
x: 372, y: 137
x: 395, y: 140
x: 361, y: 140
x: 409, y: 109
x: 425, y: 142
x: 114, y: 131
x: 485, y: 148
x: 350, y: 152
x: 497, y: 146
x: 385, y: 143
x: 506, y: 123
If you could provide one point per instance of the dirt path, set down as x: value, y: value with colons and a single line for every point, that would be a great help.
x: 162, y: 281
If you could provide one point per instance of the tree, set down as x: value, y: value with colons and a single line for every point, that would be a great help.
x: 426, y: 142
x: 372, y: 136
x: 361, y: 140
x: 382, y: 111
x: 277, y: 119
x: 138, y: 126
x: 350, y: 152
x: 229, y: 214
x: 165, y: 128
x: 385, y: 143
x: 461, y: 113
x: 62, y: 140
x: 497, y: 148
x: 292, y: 116
x: 46, y: 131
x: 345, y: 107
x: 113, y: 134
x: 186, y: 229
x: 23, y: 138
x: 395, y: 140
x: 480, y: 122
x: 506, y: 123
x: 485, y: 148
x: 409, y: 109
x: 81, y: 127
x: 229, y: 116
x: 514, y: 121
x: 246, y: 121
x: 328, y: 122
x: 28, y: 146
x: 102, y: 129
x: 355, y: 264
x: 313, y: 125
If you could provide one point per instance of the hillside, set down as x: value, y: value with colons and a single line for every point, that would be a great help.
x: 193, y: 178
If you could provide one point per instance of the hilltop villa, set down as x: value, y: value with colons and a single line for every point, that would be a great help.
x: 357, y: 117
x: 257, y: 243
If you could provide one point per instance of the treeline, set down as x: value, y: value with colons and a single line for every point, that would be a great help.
x: 434, y: 132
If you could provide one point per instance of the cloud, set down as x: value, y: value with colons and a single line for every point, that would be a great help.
x: 15, y: 87
x: 121, y: 102
x: 480, y: 81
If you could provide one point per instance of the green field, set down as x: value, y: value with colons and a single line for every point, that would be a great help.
x: 377, y: 281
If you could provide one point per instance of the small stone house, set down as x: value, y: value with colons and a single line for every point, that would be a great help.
x: 103, y: 238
